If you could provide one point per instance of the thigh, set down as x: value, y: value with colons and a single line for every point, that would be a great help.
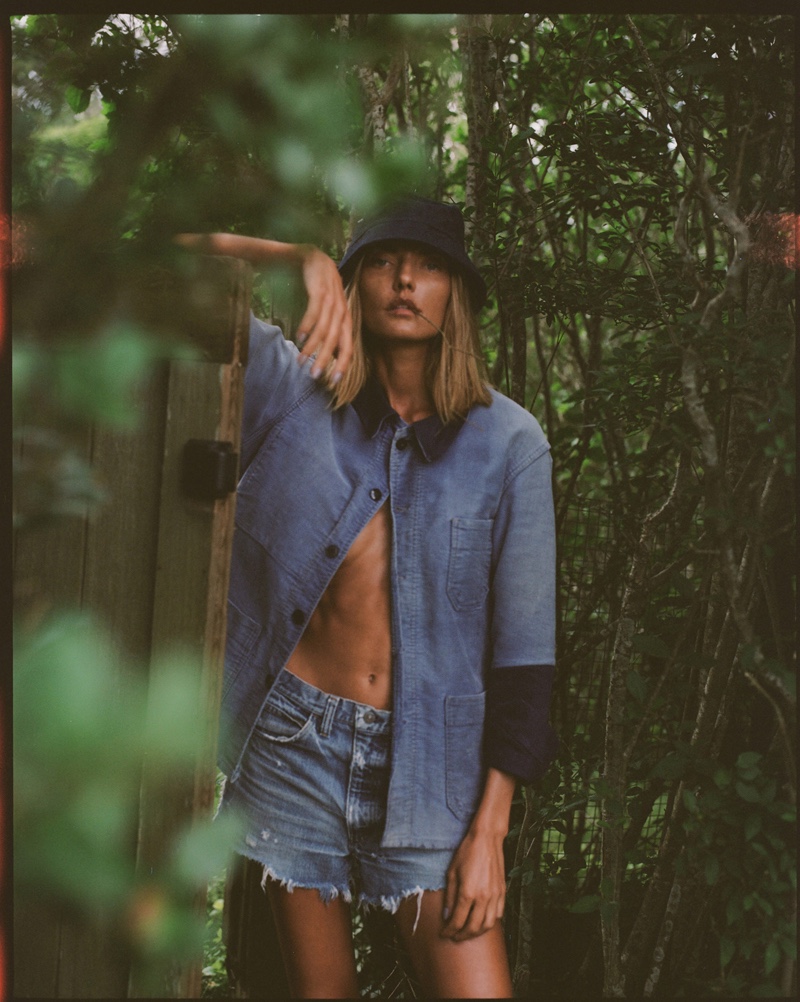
x: 316, y: 942
x: 473, y: 968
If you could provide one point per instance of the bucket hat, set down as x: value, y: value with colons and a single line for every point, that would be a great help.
x: 435, y: 224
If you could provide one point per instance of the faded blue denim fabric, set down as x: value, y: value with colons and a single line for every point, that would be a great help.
x: 313, y: 790
x: 472, y: 580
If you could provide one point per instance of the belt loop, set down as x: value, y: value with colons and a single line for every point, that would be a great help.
x: 327, y: 716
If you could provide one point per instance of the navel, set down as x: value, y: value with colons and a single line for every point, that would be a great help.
x: 372, y: 678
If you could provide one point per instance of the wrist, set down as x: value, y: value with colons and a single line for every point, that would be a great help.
x: 494, y: 811
x: 301, y: 253
x: 490, y: 829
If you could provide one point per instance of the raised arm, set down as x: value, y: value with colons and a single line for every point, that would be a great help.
x: 326, y: 327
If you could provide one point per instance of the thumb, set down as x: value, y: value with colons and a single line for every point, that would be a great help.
x: 450, y: 895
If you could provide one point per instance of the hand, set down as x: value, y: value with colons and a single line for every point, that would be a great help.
x: 476, y: 888
x: 326, y: 327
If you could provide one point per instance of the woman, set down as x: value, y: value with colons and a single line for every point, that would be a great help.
x: 391, y: 616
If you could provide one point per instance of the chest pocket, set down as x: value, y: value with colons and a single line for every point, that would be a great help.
x: 470, y: 562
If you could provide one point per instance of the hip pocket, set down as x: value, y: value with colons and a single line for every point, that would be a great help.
x: 470, y: 562
x: 282, y: 721
x: 464, y: 716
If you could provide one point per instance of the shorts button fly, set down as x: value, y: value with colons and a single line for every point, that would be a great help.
x: 370, y: 717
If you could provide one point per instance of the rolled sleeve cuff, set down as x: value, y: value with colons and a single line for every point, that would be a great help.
x: 518, y: 738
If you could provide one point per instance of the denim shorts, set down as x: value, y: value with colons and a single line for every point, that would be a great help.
x: 312, y: 788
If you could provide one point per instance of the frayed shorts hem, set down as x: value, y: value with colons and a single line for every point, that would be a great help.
x: 330, y: 892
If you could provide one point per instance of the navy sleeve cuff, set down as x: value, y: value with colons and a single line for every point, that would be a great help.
x: 518, y: 737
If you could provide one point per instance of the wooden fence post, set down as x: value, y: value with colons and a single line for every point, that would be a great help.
x: 154, y: 566
x: 204, y: 402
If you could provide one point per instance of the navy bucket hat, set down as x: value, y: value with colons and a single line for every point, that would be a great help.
x: 434, y: 224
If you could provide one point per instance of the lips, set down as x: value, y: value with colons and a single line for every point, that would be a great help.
x: 401, y: 304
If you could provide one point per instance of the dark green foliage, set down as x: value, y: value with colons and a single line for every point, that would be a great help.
x: 604, y: 164
x: 82, y: 723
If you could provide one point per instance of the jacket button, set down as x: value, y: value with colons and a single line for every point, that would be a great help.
x: 402, y: 443
x: 332, y: 551
x: 298, y: 617
x: 375, y: 494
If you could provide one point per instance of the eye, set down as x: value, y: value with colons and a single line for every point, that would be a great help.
x: 378, y: 260
x: 435, y: 264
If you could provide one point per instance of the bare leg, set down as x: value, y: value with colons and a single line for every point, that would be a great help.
x: 316, y: 943
x: 473, y: 968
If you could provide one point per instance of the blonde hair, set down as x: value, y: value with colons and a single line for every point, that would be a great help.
x: 456, y: 372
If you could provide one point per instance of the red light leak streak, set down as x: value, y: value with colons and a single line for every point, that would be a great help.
x: 776, y: 238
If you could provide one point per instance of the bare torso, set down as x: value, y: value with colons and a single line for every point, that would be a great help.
x: 346, y: 648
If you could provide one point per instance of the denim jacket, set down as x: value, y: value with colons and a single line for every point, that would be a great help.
x: 472, y: 570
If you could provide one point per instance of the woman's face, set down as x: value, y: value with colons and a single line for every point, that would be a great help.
x: 404, y: 290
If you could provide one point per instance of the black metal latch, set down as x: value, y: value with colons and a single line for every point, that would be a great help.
x: 209, y: 469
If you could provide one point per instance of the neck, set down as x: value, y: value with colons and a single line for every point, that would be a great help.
x: 400, y: 369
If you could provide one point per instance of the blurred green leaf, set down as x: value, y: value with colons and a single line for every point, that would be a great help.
x: 747, y: 760
x: 711, y: 870
x: 636, y: 685
x: 588, y: 903
x: 77, y: 98
x: 727, y: 948
x: 94, y: 378
x: 650, y: 644
x: 748, y: 792
x: 203, y: 851
x: 84, y: 722
x: 771, y: 957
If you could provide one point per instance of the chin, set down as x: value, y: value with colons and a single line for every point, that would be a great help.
x: 400, y: 337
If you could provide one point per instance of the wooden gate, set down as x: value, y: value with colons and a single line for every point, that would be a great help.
x: 153, y: 565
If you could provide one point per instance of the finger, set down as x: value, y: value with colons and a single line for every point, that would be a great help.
x: 330, y: 342
x: 450, y: 895
x: 454, y: 929
x: 490, y: 918
x: 460, y: 915
x: 321, y: 304
x: 452, y: 918
x: 473, y: 927
x: 311, y: 336
x: 326, y: 299
x: 324, y: 321
x: 484, y: 914
x: 327, y: 344
x: 309, y: 330
x: 344, y: 353
x: 475, y: 923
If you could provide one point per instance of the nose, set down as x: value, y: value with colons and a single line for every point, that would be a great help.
x: 404, y: 273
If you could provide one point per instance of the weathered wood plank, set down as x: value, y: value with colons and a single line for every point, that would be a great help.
x: 48, y: 557
x: 196, y: 304
x: 191, y: 582
x: 48, y: 574
x: 121, y: 539
x: 37, y: 937
x: 93, y: 962
x: 128, y: 565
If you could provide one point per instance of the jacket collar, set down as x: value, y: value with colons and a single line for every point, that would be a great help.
x: 432, y: 436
